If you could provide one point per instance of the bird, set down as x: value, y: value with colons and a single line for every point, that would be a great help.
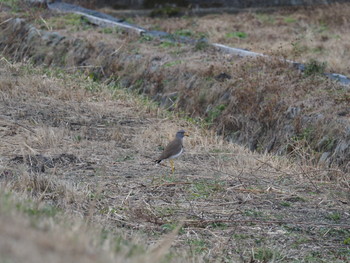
x: 173, y: 150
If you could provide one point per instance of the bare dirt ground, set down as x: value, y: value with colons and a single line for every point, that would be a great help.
x: 86, y: 149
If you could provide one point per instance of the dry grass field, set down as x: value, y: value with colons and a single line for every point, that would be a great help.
x: 298, y: 34
x: 73, y: 150
x: 78, y: 182
x: 245, y: 100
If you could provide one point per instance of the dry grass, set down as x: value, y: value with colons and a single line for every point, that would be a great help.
x: 247, y: 107
x: 35, y: 232
x: 298, y: 34
x: 86, y: 148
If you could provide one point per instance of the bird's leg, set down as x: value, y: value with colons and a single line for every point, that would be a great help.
x: 172, y: 166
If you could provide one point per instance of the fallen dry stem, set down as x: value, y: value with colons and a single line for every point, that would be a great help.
x: 206, y: 223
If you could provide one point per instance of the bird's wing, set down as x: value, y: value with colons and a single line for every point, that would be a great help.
x: 171, y: 149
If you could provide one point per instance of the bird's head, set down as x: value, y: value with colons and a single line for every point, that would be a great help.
x: 181, y: 133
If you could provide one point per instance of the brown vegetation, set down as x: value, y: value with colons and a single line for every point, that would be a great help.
x: 298, y: 34
x: 84, y: 149
x: 263, y: 103
x: 77, y: 144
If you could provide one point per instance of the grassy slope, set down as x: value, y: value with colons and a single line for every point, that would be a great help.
x: 298, y: 34
x: 262, y: 95
x: 100, y: 140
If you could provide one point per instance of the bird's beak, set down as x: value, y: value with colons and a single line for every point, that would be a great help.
x: 186, y: 134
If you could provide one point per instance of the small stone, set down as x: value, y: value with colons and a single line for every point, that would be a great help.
x: 324, y: 157
x: 292, y: 112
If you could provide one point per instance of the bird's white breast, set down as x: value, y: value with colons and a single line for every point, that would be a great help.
x: 177, y: 155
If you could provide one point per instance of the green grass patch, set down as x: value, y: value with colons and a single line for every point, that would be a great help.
x: 12, y: 4
x: 334, y: 217
x: 295, y: 199
x: 219, y: 150
x: 305, y: 135
x: 215, y: 113
x: 190, y: 34
x: 265, y: 18
x: 171, y: 226
x: 164, y: 211
x: 318, y: 50
x: 298, y: 48
x: 204, y: 189
x: 172, y: 63
x: 240, y: 236
x: 314, y: 67
x: 253, y: 213
x: 93, y: 85
x: 145, y: 38
x: 237, y: 34
x: 219, y: 225
x: 168, y: 227
x: 264, y: 254
x: 73, y: 22
x: 321, y: 28
x: 168, y: 44
x: 184, y: 33
x: 300, y: 241
x: 33, y: 210
x: 120, y: 244
x: 107, y: 30
x: 289, y: 20
x: 285, y: 204
x: 125, y: 158
x: 347, y: 241
x: 201, y: 45
x: 198, y: 246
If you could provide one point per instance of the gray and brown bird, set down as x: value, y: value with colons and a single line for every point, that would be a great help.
x: 173, y: 149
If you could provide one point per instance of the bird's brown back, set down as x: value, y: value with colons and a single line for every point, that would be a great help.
x: 172, y: 148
